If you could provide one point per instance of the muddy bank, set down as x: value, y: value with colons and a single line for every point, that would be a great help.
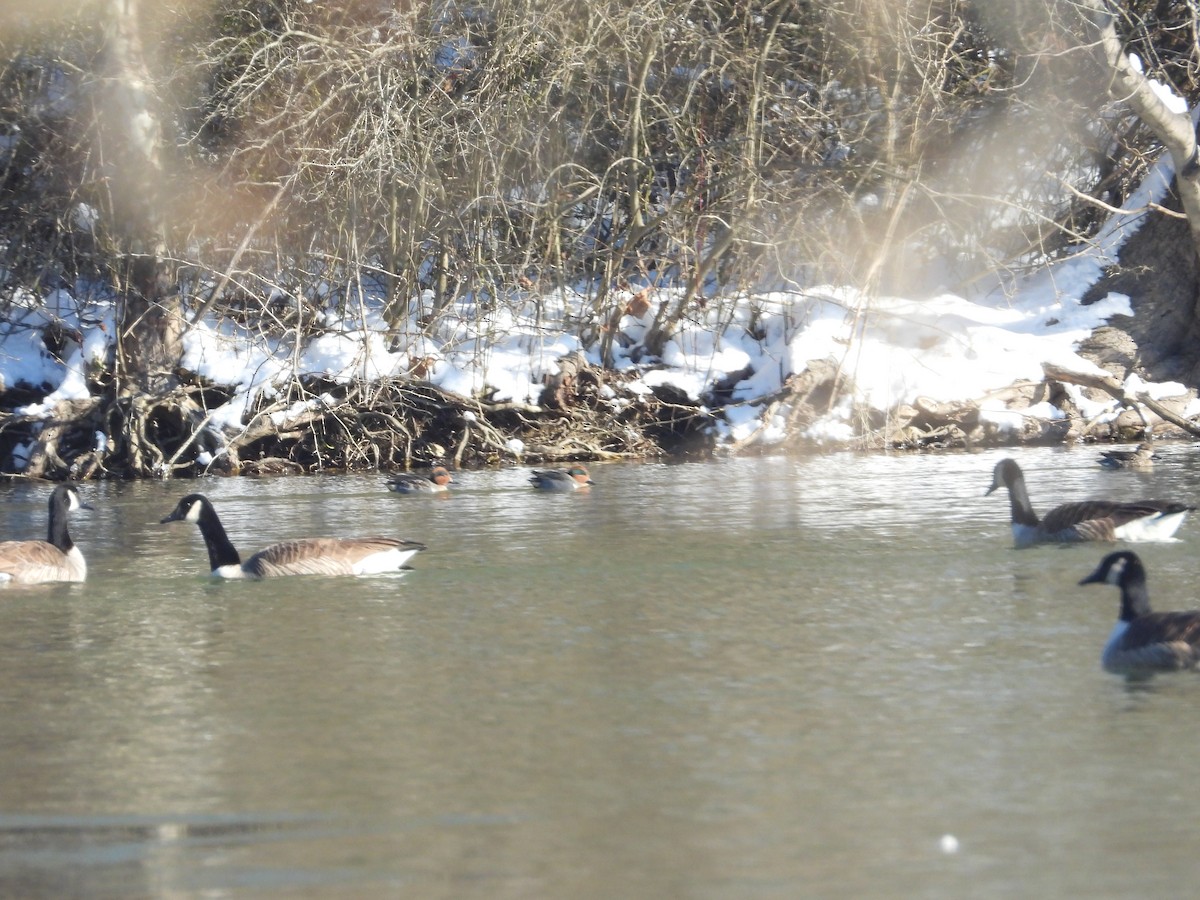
x: 582, y: 413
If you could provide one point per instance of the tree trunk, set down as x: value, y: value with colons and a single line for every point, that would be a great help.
x: 1176, y: 130
x: 1160, y: 272
x: 150, y: 326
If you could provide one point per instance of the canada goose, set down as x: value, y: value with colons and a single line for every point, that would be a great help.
x: 1142, y: 457
x: 409, y: 483
x: 1143, y: 641
x: 572, y: 479
x: 311, y: 556
x: 54, y: 559
x: 1089, y: 520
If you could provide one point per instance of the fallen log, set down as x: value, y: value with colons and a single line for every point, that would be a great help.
x: 1116, y: 390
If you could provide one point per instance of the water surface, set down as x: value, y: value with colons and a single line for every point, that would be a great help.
x: 748, y: 678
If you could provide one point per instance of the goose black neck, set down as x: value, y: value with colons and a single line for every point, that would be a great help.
x: 1018, y: 501
x: 221, y: 551
x: 1135, y: 598
x: 58, y: 534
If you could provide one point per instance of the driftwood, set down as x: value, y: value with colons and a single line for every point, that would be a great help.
x: 1116, y: 390
x: 798, y: 393
x: 926, y: 423
x: 562, y: 387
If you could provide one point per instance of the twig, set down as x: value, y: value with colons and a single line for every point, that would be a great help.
x: 1116, y: 210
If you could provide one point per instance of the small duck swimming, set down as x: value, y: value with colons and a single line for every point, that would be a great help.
x: 1143, y: 642
x: 575, y: 478
x: 1142, y: 457
x: 1086, y: 520
x: 410, y: 483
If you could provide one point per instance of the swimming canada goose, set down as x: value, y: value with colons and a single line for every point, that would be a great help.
x: 1088, y: 520
x: 1141, y: 458
x: 573, y: 479
x: 1143, y: 641
x: 410, y: 483
x: 54, y: 559
x: 310, y: 556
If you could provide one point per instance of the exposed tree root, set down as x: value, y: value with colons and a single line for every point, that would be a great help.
x: 583, y: 414
x: 324, y: 426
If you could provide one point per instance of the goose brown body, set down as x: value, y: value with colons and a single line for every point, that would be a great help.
x: 1157, y: 640
x: 322, y: 556
x: 1101, y: 520
x: 39, y: 562
x: 308, y: 556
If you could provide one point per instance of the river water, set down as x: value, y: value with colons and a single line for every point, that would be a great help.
x: 828, y: 676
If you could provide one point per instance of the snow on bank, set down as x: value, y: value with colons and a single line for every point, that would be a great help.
x: 25, y: 359
x: 890, y: 350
